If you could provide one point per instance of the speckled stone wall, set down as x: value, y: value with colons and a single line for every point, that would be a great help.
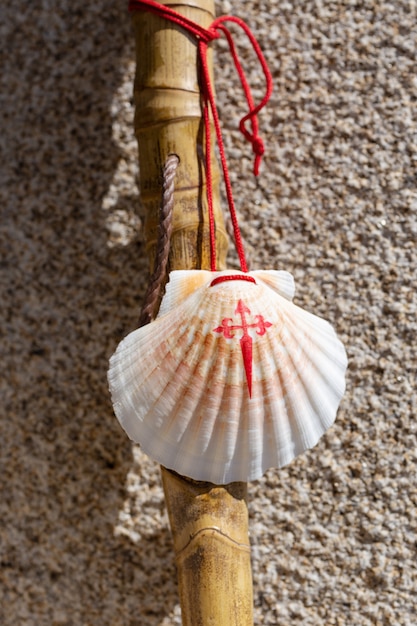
x: 84, y: 537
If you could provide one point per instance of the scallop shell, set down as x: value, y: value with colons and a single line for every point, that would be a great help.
x: 231, y: 379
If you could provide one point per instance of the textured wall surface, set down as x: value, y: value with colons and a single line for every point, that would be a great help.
x: 84, y: 537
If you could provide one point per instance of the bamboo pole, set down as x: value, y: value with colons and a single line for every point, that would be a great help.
x: 168, y: 120
x: 209, y: 522
x: 210, y: 530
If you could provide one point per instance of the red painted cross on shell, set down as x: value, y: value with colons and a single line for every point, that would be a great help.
x: 228, y: 329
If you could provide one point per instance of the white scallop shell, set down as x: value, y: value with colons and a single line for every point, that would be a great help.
x: 180, y: 385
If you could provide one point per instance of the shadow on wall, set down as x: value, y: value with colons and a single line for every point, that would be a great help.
x: 67, y: 299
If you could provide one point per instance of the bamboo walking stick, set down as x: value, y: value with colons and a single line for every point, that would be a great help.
x: 209, y: 523
x: 232, y: 378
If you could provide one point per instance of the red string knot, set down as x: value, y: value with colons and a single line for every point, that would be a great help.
x: 259, y: 150
x: 258, y: 146
x: 212, y: 33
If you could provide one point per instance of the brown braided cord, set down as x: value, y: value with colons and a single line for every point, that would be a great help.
x: 153, y: 292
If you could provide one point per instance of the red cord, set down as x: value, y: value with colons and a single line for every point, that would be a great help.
x: 227, y: 277
x: 204, y: 37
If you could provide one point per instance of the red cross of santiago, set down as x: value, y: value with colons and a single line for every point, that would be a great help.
x: 227, y: 328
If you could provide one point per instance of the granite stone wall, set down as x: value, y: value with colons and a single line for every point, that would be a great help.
x: 84, y: 536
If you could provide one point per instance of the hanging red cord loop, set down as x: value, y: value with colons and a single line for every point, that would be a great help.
x: 204, y: 37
